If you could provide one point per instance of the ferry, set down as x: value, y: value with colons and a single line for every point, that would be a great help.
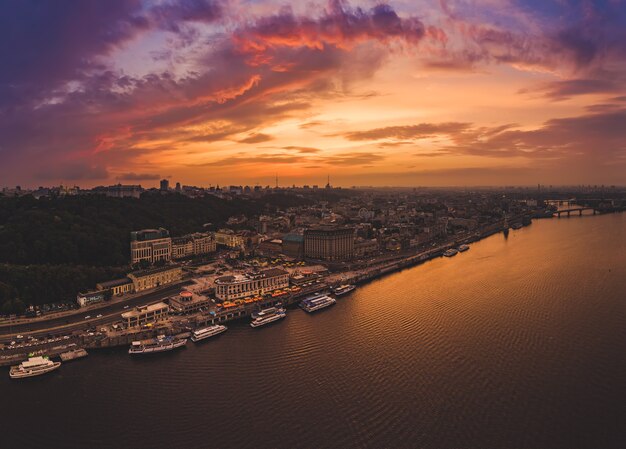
x: 267, y: 316
x: 34, y: 366
x: 317, y: 302
x: 206, y: 332
x: 344, y: 289
x: 451, y: 252
x: 463, y: 248
x: 159, y: 344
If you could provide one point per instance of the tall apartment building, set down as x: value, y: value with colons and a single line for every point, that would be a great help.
x: 151, y: 245
x: 329, y: 243
x: 193, y: 245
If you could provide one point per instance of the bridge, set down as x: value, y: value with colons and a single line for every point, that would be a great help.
x: 575, y: 209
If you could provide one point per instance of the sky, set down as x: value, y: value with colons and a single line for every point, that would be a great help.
x: 404, y: 93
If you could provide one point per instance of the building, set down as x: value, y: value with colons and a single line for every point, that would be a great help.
x: 182, y: 247
x: 228, y: 238
x: 117, y: 287
x: 271, y: 247
x: 119, y: 191
x: 155, y: 277
x: 146, y: 314
x: 293, y: 245
x: 203, y: 243
x: 188, y: 302
x: 228, y: 288
x: 164, y: 185
x: 364, y: 248
x: 150, y: 245
x: 329, y: 243
x: 88, y: 298
x: 195, y: 244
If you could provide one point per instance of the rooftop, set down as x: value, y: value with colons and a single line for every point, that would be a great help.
x: 114, y: 283
x: 150, y: 271
x: 145, y: 309
x: 243, y: 277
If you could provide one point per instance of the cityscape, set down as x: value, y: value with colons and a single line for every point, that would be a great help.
x: 325, y: 224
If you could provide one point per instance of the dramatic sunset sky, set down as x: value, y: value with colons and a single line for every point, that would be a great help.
x: 409, y: 92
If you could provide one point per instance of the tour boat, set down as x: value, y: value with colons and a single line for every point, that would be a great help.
x: 159, y: 344
x: 451, y: 252
x: 268, y: 316
x: 34, y: 366
x: 206, y: 332
x: 344, y: 289
x: 317, y: 302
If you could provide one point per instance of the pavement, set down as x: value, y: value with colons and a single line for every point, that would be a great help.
x: 77, y: 321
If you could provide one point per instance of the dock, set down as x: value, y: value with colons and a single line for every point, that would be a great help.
x: 73, y: 355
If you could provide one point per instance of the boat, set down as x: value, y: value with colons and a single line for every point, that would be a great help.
x: 267, y: 316
x: 344, y: 289
x: 34, y: 366
x: 159, y: 344
x: 317, y: 302
x: 451, y: 252
x: 463, y: 248
x: 516, y: 226
x: 206, y: 332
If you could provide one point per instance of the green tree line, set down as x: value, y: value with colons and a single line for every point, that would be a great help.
x: 51, y: 248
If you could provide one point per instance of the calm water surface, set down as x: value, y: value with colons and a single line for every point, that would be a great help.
x: 517, y: 343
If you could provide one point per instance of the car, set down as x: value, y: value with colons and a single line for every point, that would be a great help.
x: 19, y: 336
x: 126, y: 307
x: 87, y: 317
x: 66, y: 337
x: 99, y: 315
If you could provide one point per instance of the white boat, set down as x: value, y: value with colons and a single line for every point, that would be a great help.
x: 344, y: 289
x: 317, y: 302
x: 34, y: 366
x: 451, y: 252
x: 463, y: 248
x: 268, y: 316
x: 159, y: 344
x: 206, y: 332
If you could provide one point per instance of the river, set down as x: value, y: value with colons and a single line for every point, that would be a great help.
x: 519, y: 342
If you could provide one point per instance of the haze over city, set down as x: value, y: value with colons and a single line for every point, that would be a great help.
x: 406, y: 93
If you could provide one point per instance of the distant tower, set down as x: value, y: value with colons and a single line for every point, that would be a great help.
x: 165, y: 185
x: 328, y: 182
x: 178, y: 187
x: 276, y: 180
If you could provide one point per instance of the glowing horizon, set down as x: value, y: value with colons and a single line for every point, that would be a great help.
x: 207, y: 92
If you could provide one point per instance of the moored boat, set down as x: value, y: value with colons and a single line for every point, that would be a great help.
x: 344, y: 289
x: 206, y: 332
x: 159, y: 344
x: 463, y: 247
x: 451, y: 252
x: 317, y: 302
x: 34, y: 366
x: 267, y: 316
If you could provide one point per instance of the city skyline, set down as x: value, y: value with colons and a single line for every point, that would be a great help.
x: 446, y: 93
